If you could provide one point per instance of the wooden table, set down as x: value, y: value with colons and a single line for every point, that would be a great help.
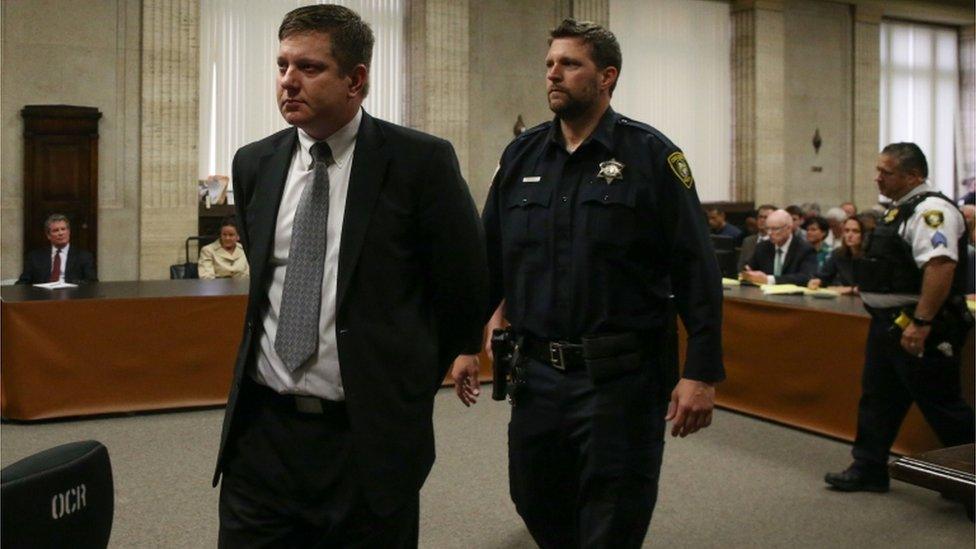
x: 797, y: 360
x: 949, y: 471
x: 113, y: 347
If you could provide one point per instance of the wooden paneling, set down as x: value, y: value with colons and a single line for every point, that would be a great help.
x: 61, y: 172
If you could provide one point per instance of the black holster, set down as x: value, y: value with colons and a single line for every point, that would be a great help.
x: 503, y: 349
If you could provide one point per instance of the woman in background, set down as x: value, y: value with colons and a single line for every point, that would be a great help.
x: 816, y: 232
x: 224, y: 257
x: 837, y: 272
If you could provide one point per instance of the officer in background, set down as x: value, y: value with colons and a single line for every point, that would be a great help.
x: 592, y: 222
x: 911, y: 280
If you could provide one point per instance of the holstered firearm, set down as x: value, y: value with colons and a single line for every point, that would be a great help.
x: 504, y: 350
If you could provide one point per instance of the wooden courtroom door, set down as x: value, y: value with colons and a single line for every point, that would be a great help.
x: 61, y: 172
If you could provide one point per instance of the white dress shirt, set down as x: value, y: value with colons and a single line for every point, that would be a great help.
x: 64, y: 260
x: 320, y: 375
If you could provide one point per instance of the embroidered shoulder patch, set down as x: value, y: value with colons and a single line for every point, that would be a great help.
x: 933, y: 218
x: 680, y: 168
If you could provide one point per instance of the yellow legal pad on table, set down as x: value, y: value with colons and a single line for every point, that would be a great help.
x: 730, y: 282
x: 782, y: 289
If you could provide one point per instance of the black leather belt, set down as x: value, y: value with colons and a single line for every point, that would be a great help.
x: 561, y: 355
x: 302, y: 404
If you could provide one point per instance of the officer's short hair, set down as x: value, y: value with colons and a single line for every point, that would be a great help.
x: 909, y: 157
x: 352, y: 39
x: 54, y: 218
x: 769, y: 207
x: 604, y: 48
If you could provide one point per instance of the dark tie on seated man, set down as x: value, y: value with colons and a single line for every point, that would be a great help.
x: 784, y: 258
x: 61, y: 262
x: 368, y: 278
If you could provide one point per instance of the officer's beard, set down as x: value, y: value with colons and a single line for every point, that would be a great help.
x: 574, y: 107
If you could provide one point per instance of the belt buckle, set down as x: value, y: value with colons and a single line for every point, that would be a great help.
x: 556, y: 359
x: 308, y: 404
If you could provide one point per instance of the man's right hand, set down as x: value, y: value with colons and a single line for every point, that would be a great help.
x: 464, y: 372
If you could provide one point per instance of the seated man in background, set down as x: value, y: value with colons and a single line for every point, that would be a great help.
x: 837, y: 272
x: 60, y: 262
x: 718, y: 226
x: 783, y: 259
x: 749, y: 242
x: 224, y: 257
x: 796, y: 213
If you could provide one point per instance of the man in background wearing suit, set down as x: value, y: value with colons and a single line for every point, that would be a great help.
x: 784, y: 258
x: 61, y: 262
x: 368, y: 277
x: 749, y: 242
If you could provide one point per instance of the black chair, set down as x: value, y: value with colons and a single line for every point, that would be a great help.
x: 726, y: 255
x: 61, y: 497
x: 188, y: 269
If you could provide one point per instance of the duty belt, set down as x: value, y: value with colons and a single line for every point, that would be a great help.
x: 565, y: 356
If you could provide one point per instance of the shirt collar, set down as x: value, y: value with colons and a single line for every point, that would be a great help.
x: 341, y: 142
x: 924, y: 187
x: 65, y: 249
x: 786, y: 245
x: 602, y: 133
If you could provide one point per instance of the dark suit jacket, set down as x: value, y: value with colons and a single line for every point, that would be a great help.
x: 748, y: 248
x: 79, y: 266
x: 411, y: 291
x: 799, y: 265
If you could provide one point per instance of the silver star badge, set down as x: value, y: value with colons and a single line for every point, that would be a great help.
x: 610, y: 170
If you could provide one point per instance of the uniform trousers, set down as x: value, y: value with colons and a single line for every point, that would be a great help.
x: 891, y: 381
x: 289, y: 480
x: 584, y: 458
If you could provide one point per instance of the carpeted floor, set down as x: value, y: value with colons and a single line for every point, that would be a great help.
x: 741, y: 483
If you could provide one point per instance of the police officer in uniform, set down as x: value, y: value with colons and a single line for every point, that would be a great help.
x: 592, y: 222
x: 911, y: 281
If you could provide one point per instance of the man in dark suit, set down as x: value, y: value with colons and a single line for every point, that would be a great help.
x: 368, y: 277
x: 784, y: 258
x: 62, y: 262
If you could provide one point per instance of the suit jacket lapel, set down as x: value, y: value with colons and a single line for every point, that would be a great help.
x: 365, y: 183
x: 69, y: 263
x: 269, y: 185
x: 791, y: 252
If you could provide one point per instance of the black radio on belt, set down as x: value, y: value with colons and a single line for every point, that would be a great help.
x: 504, y: 354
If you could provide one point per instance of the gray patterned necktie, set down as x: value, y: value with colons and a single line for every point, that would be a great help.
x: 301, y: 298
x: 778, y: 264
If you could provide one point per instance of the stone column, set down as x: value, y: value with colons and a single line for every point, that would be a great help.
x: 170, y: 90
x: 867, y: 70
x: 758, y: 90
x: 439, y: 75
x: 597, y: 11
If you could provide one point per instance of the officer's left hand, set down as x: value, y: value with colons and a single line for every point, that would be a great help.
x: 691, y: 407
x: 913, y: 339
x: 464, y: 372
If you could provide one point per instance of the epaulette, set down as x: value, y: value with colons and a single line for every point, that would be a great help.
x: 533, y: 130
x: 647, y: 128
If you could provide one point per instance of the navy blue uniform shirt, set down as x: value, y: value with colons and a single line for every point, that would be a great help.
x: 574, y: 255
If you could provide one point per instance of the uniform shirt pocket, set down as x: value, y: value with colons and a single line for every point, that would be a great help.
x: 609, y: 212
x: 527, y: 214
